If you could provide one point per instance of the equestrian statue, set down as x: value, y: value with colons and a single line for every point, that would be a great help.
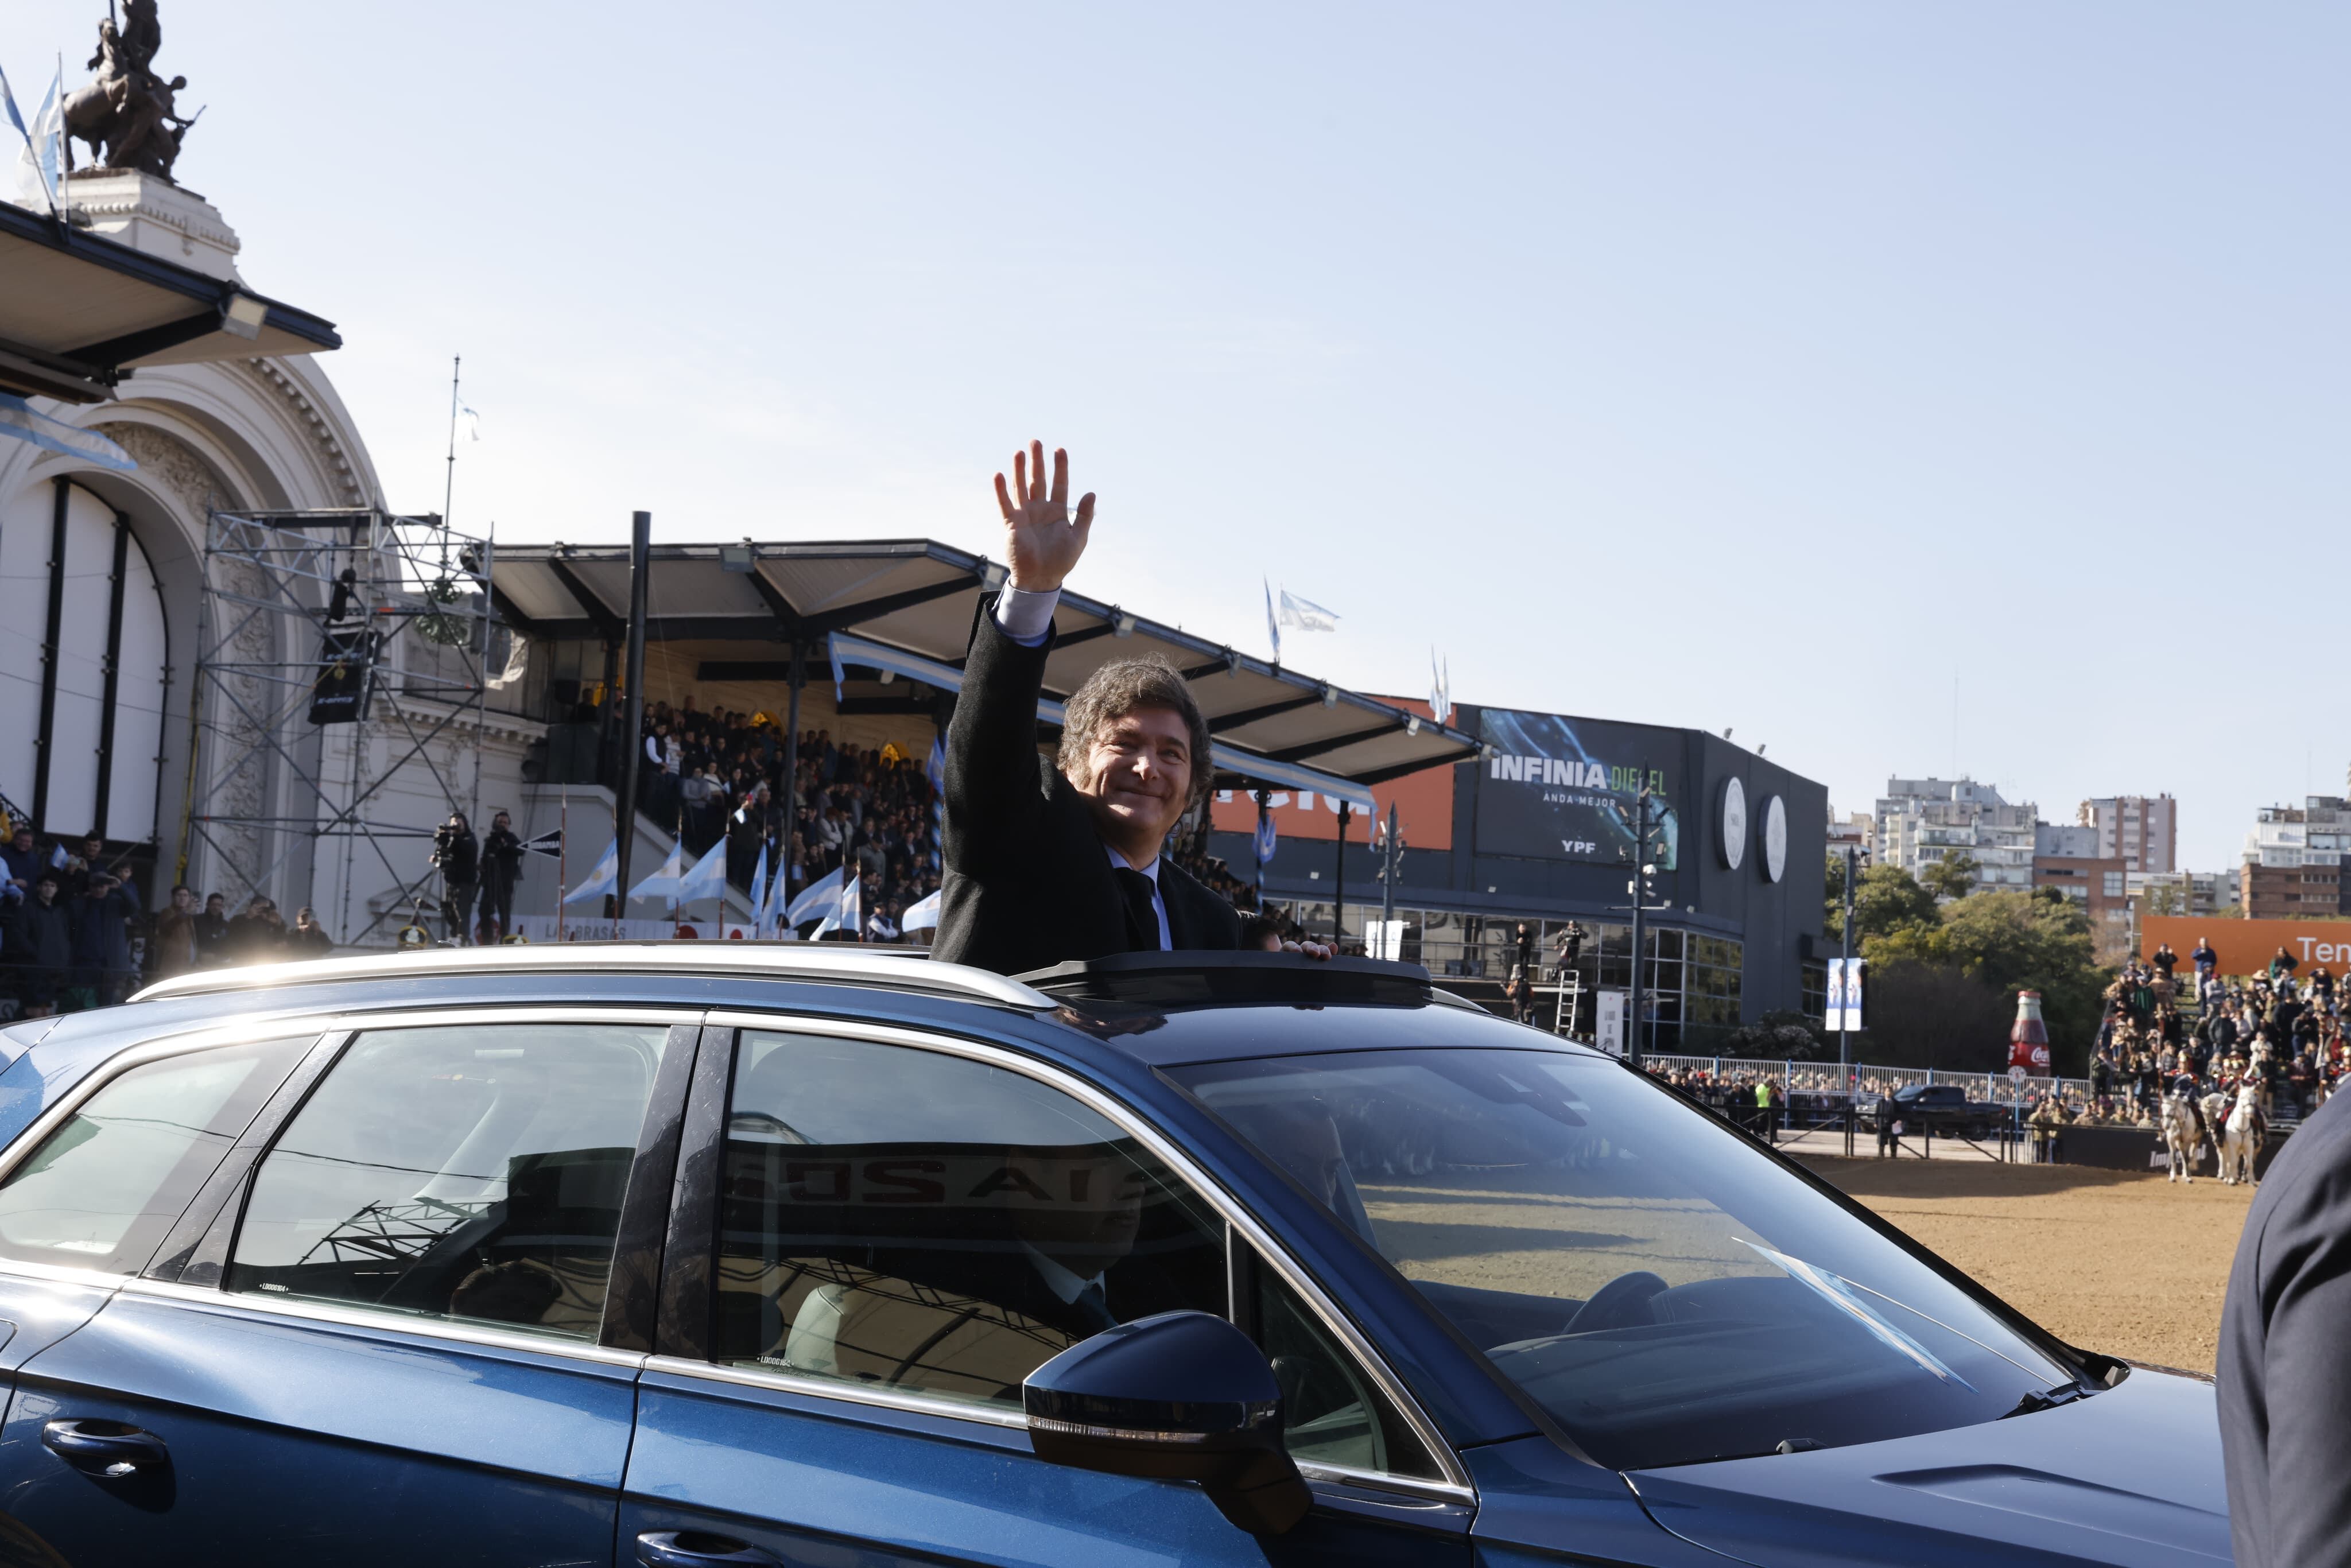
x: 129, y: 115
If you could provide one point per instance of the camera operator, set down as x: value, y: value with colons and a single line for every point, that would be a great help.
x: 501, y: 865
x: 457, y: 855
x: 1570, y: 948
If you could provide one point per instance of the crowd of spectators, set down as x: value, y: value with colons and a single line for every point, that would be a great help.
x: 74, y: 932
x: 717, y: 773
x: 2280, y: 1030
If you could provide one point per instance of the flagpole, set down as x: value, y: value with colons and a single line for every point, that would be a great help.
x: 562, y: 855
x: 449, y: 481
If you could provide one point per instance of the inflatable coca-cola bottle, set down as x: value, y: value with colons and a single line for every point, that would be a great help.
x: 2028, y: 1040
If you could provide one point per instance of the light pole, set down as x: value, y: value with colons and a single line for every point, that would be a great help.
x: 1339, y: 900
x: 1844, y: 1012
x: 1643, y: 868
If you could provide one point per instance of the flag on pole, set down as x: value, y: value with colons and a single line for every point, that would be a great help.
x: 922, y: 915
x: 845, y: 916
x: 819, y: 898
x: 1440, y: 689
x: 1305, y: 614
x: 663, y: 883
x: 550, y: 844
x: 469, y: 423
x: 708, y: 877
x: 759, y: 891
x: 604, y: 879
x: 935, y: 767
x: 1272, y: 623
x: 833, y: 652
x: 36, y: 164
x: 1266, y: 839
x: 779, y: 895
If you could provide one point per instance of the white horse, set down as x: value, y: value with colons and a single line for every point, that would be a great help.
x: 2241, y: 1140
x: 2216, y: 1112
x: 2183, y: 1136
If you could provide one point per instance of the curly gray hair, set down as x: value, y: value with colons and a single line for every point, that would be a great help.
x: 1119, y: 688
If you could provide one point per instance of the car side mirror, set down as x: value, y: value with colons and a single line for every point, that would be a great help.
x: 1179, y: 1397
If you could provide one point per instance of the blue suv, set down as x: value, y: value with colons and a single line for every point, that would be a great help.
x: 700, y: 1254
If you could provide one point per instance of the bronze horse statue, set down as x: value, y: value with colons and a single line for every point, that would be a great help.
x: 128, y: 115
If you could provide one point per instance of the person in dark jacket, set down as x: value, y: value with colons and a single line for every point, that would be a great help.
x: 211, y: 932
x: 308, y: 939
x: 255, y: 937
x: 40, y: 938
x: 458, y: 856
x: 501, y: 867
x: 1052, y: 862
x: 19, y: 863
x: 99, y: 918
x: 2286, y: 1365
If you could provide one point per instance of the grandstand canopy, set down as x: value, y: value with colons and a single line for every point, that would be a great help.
x: 79, y: 310
x: 906, y: 607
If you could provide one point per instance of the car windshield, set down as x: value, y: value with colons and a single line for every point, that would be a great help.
x: 1654, y: 1280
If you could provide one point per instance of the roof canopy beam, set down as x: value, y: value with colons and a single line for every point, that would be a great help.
x: 1335, y: 743
x: 610, y: 627
x: 1251, y: 715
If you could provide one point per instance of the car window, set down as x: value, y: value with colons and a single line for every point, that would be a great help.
x: 471, y: 1172
x: 1662, y: 1287
x: 1331, y: 1412
x: 910, y: 1220
x: 102, y: 1191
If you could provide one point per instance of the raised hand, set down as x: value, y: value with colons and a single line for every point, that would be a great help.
x: 1042, y: 542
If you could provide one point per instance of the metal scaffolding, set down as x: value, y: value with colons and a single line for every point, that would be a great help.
x: 315, y: 618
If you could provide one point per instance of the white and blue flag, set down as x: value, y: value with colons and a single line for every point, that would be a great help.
x: 1266, y: 839
x: 23, y: 421
x: 819, y: 899
x: 844, y: 916
x: 759, y: 891
x: 922, y: 915
x: 934, y: 768
x: 604, y: 879
x: 1306, y: 615
x: 38, y: 168
x: 663, y: 883
x: 708, y: 877
x: 1272, y: 625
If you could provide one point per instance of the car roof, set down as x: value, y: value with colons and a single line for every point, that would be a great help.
x: 1155, y: 1009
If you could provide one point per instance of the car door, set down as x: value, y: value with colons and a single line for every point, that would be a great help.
x: 877, y: 1236
x: 396, y: 1332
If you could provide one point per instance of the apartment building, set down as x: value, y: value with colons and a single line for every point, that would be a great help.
x: 2141, y: 831
x: 1919, y: 822
x: 2294, y: 862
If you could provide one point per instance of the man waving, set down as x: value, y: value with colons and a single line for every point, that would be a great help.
x: 1048, y: 862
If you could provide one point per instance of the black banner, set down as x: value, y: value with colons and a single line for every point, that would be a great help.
x: 339, y: 694
x: 1568, y: 788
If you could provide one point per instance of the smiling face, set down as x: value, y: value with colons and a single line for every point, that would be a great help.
x: 1139, y: 778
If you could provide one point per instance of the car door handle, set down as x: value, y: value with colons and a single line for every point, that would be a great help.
x: 108, y: 1450
x: 698, y: 1549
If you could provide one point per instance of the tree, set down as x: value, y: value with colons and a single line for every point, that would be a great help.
x: 1926, y: 1014
x: 2003, y: 943
x: 1952, y: 877
x: 1886, y: 900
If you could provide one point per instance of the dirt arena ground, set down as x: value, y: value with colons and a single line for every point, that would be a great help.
x: 2130, y: 1265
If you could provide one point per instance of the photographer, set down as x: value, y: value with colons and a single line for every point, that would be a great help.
x: 458, y: 856
x: 501, y: 865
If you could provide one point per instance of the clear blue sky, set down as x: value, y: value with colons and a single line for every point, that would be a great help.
x: 1765, y: 366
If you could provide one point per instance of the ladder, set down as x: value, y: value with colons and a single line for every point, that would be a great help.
x: 1570, y: 998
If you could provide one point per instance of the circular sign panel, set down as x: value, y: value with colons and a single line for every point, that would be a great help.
x: 1775, y: 838
x: 1733, y: 824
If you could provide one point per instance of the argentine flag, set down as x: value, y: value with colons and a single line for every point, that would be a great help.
x: 845, y: 916
x: 663, y: 883
x: 602, y: 880
x: 708, y: 877
x: 820, y: 900
x: 922, y: 917
x: 760, y: 893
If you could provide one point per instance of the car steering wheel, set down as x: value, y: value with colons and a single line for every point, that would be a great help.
x: 1622, y: 1302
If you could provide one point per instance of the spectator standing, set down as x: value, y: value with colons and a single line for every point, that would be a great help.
x: 175, y: 934
x: 2164, y: 960
x: 211, y: 931
x: 501, y: 866
x: 457, y: 855
x: 23, y: 863
x: 2282, y: 966
x: 42, y: 939
x: 308, y: 939
x: 100, y: 917
x: 255, y: 937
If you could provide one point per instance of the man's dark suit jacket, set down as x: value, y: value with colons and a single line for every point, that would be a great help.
x: 1029, y: 882
x: 2285, y: 1355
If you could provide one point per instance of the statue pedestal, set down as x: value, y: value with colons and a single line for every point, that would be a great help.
x: 155, y: 216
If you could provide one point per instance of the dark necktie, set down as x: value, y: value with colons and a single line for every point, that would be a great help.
x: 1092, y: 1306
x: 1142, y: 918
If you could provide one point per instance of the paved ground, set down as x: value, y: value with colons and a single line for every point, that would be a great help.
x: 2126, y: 1264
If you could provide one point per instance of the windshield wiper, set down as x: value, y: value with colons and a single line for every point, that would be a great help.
x: 2049, y: 1399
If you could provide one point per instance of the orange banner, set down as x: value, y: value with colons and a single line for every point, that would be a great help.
x: 1423, y: 801
x: 2246, y: 947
